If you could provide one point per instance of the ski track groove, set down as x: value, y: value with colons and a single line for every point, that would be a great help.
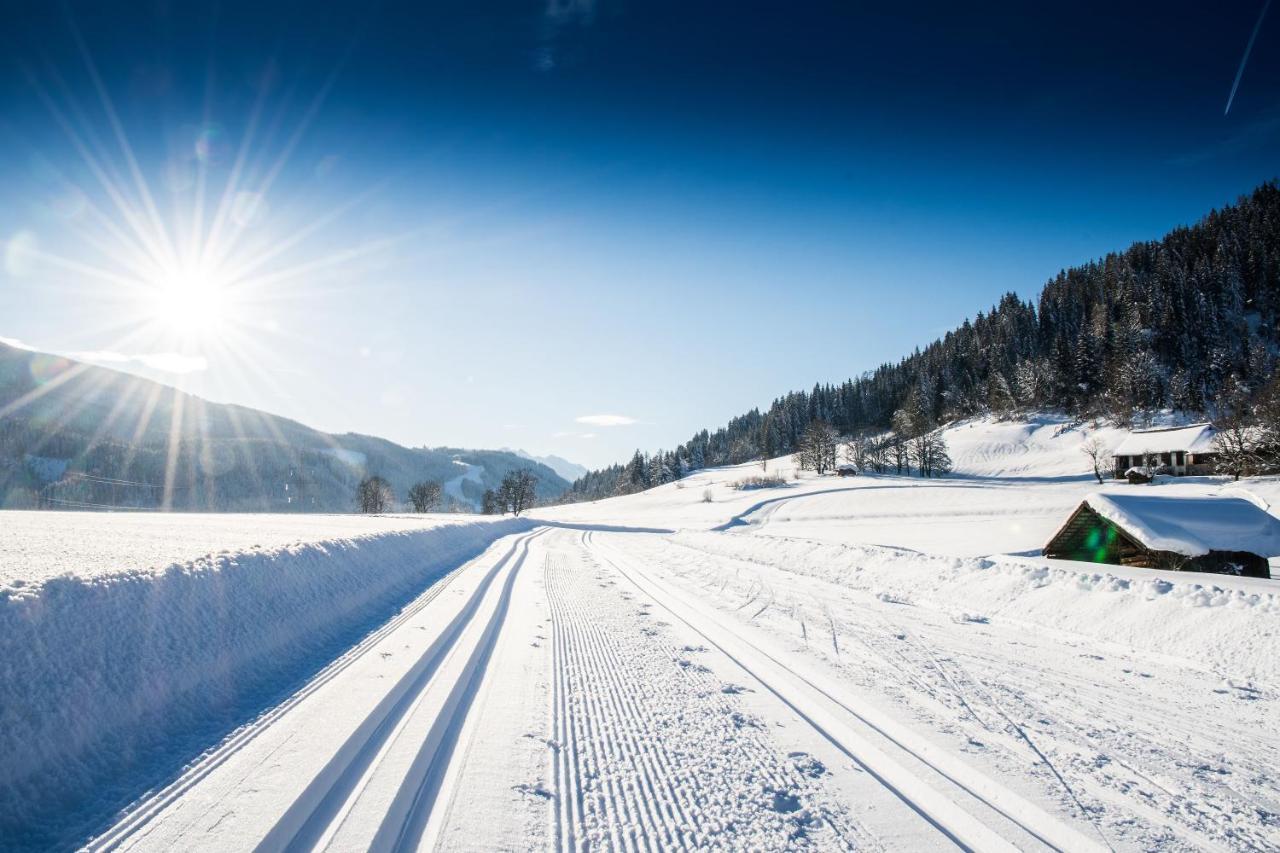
x: 329, y: 798
x: 1185, y: 812
x: 432, y: 767
x: 619, y: 784
x: 1035, y: 828
x: 141, y: 814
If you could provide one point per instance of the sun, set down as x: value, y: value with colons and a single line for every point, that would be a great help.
x: 190, y: 301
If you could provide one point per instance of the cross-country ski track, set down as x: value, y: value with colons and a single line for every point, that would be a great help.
x: 579, y: 689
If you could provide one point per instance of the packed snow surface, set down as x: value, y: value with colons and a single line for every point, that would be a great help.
x: 875, y: 662
x: 1192, y: 525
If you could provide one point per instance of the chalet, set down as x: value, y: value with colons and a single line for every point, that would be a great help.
x: 1208, y: 533
x: 1174, y: 450
x: 847, y: 470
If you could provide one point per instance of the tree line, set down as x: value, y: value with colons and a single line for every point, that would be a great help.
x: 516, y: 493
x: 1186, y: 323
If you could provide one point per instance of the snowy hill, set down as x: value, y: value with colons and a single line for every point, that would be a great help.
x: 79, y: 419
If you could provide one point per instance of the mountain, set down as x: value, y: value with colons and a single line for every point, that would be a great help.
x: 76, y: 435
x: 1187, y: 323
x: 568, y: 470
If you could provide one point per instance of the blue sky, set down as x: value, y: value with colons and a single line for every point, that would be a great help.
x: 479, y: 226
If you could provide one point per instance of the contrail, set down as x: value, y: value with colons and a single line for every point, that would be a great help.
x: 1244, y: 59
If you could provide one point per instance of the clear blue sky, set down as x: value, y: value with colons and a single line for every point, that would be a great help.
x: 447, y: 225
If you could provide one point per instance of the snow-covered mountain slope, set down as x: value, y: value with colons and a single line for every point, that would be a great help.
x: 832, y: 664
x: 569, y: 471
x: 138, y: 440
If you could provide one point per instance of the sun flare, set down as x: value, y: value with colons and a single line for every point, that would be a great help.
x: 190, y: 301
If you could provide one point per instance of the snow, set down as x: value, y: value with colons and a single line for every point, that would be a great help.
x: 470, y: 473
x: 101, y: 668
x: 36, y: 546
x: 1197, y: 438
x: 1192, y: 525
x: 875, y: 662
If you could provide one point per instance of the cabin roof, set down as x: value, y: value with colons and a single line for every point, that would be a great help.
x: 1197, y: 438
x: 1191, y: 525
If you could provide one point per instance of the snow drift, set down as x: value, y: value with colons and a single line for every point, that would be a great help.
x: 1213, y: 623
x: 111, y: 682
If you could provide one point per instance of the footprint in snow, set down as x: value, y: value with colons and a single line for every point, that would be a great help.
x: 783, y: 802
x: 534, y: 791
x: 807, y: 764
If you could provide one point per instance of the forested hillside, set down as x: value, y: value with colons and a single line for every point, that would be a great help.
x: 77, y: 436
x: 1175, y: 323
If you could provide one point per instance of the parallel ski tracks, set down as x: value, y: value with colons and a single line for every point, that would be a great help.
x: 322, y: 810
x: 854, y: 730
x: 629, y: 775
x: 316, y: 812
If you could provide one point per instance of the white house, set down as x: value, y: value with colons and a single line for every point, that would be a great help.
x: 1175, y: 450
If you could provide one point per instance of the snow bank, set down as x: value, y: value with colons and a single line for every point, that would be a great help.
x: 1215, y: 623
x: 110, y: 682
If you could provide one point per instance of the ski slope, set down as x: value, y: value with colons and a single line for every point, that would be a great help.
x: 876, y: 663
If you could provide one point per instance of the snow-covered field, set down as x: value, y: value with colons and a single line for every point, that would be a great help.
x: 876, y: 662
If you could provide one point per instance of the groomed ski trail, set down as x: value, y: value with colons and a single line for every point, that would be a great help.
x: 869, y: 737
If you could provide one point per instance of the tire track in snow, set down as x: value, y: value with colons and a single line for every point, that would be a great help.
x: 319, y: 811
x: 650, y: 753
x: 839, y: 723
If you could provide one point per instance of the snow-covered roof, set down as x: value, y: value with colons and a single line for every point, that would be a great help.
x: 1192, y: 525
x: 1197, y: 438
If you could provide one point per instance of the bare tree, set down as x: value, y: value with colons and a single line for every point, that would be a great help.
x: 424, y: 496
x: 374, y: 495
x: 818, y: 448
x: 878, y: 455
x: 929, y: 452
x: 857, y: 451
x: 517, y: 492
x: 1098, y: 454
x: 1236, y: 438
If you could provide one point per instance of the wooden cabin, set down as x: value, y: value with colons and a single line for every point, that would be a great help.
x: 1173, y: 450
x: 847, y: 470
x: 1224, y: 534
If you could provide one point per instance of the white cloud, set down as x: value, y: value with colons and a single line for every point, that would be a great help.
x: 173, y: 362
x: 606, y: 420
x: 16, y: 344
x: 166, y: 362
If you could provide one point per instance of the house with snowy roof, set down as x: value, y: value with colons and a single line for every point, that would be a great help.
x: 1172, y: 450
x: 1227, y: 534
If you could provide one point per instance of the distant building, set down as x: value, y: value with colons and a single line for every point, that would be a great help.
x: 1210, y: 533
x: 1174, y: 450
x: 847, y: 470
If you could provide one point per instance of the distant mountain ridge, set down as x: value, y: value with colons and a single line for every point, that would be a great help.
x: 568, y: 470
x: 76, y: 435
